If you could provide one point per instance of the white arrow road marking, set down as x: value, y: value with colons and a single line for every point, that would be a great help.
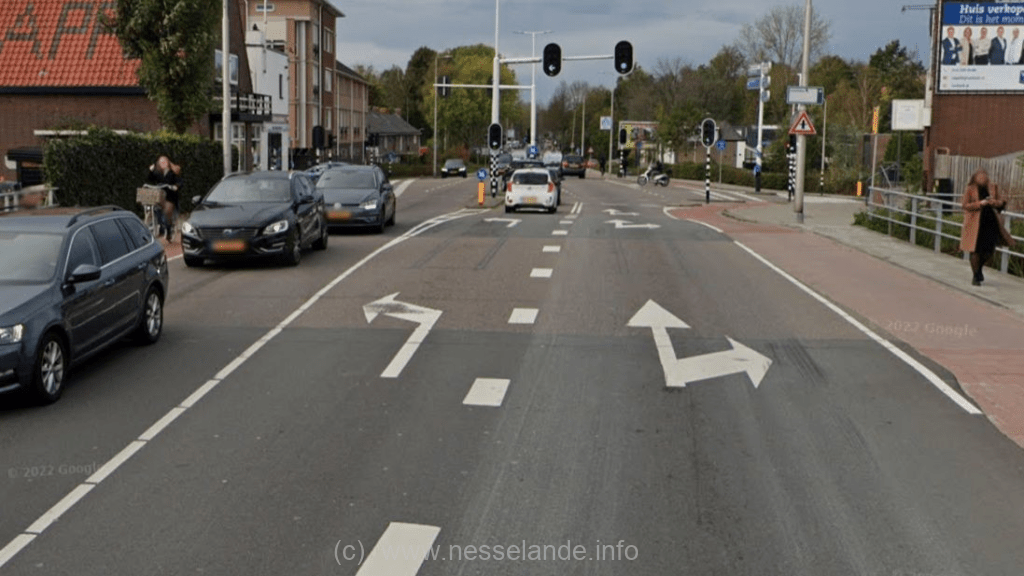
x: 425, y: 317
x: 620, y: 224
x: 682, y: 371
x: 510, y: 221
x: 401, y: 550
x: 614, y: 212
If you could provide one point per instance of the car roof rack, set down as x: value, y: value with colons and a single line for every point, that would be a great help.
x: 92, y: 211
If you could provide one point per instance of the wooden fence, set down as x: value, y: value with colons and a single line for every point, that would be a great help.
x: 1004, y: 170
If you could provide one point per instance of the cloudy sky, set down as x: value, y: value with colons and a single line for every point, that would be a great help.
x: 383, y: 33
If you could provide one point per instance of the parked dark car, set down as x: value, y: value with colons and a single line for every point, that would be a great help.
x: 573, y: 165
x: 256, y: 215
x: 453, y: 167
x: 71, y: 286
x: 358, y: 196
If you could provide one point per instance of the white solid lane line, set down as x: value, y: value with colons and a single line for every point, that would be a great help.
x: 706, y: 225
x: 552, y: 249
x: 920, y: 368
x: 400, y: 551
x: 11, y: 549
x: 523, y: 316
x: 541, y: 273
x: 402, y: 187
x: 487, y: 392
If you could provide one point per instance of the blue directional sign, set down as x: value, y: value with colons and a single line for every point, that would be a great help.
x: 533, y: 151
x: 754, y: 83
x: 720, y: 145
x: 481, y: 174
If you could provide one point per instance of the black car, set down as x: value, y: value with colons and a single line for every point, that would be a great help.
x: 315, y: 172
x: 573, y: 165
x: 453, y: 167
x: 71, y: 286
x: 358, y: 196
x: 256, y: 215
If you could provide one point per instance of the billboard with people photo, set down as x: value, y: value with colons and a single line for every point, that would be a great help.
x: 981, y: 47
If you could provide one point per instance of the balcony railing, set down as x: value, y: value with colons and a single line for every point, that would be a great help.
x: 250, y: 105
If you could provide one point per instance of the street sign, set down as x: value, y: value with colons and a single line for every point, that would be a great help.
x: 532, y: 152
x: 766, y: 95
x: 802, y: 126
x: 606, y: 122
x: 805, y: 95
x: 481, y: 174
x: 754, y: 70
x: 720, y: 145
x: 754, y: 83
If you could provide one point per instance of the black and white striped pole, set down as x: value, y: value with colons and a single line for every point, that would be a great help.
x: 494, y: 142
x: 708, y: 136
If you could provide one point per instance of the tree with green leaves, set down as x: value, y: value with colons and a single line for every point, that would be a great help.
x: 174, y: 40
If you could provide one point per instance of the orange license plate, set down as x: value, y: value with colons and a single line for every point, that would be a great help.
x: 229, y: 246
x: 339, y: 215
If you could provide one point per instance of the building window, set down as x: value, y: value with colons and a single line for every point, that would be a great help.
x: 329, y: 81
x: 328, y: 119
x: 316, y: 116
x: 316, y: 80
x: 316, y: 39
x: 219, y: 65
x: 280, y: 86
x: 328, y: 41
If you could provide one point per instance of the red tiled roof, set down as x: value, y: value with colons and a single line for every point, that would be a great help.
x: 61, y: 43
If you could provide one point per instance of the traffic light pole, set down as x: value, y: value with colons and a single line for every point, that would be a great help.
x: 707, y: 177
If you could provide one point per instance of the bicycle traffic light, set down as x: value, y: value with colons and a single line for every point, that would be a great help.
x: 552, y: 59
x: 624, y: 57
x: 622, y: 137
x: 494, y: 136
x: 707, y: 132
x: 318, y: 137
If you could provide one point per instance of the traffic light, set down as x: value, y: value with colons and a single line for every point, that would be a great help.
x: 792, y: 143
x: 331, y: 142
x: 318, y: 137
x: 707, y: 132
x: 552, y: 59
x: 624, y: 57
x: 622, y: 137
x: 446, y: 91
x: 494, y: 136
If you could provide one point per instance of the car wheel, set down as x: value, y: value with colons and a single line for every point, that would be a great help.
x: 394, y: 214
x: 151, y: 323
x: 509, y: 209
x: 382, y: 224
x: 192, y: 261
x: 321, y: 242
x: 50, y: 369
x: 293, y: 251
x: 582, y: 176
x: 553, y: 209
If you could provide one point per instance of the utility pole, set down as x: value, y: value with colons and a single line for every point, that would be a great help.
x: 801, y: 140
x: 533, y: 86
x: 225, y: 112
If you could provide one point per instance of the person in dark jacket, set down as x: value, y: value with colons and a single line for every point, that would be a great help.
x: 169, y: 174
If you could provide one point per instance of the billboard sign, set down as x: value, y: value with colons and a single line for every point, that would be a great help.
x: 637, y: 132
x: 981, y: 47
x: 908, y: 115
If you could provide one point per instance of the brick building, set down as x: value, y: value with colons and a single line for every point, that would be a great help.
x: 323, y: 91
x: 63, y: 70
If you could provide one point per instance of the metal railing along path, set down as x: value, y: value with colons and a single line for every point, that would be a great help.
x: 929, y: 214
x: 13, y: 200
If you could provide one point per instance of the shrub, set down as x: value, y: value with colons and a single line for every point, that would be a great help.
x: 102, y: 167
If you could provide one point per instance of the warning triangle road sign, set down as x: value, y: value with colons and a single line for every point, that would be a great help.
x: 803, y: 126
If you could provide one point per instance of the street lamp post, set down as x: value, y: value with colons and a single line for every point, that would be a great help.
x: 436, y: 58
x: 533, y: 86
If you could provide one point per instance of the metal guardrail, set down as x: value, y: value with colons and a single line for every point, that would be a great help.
x: 13, y: 200
x: 933, y: 210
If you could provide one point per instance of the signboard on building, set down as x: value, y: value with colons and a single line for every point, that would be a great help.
x: 908, y: 115
x: 981, y: 47
x: 637, y: 132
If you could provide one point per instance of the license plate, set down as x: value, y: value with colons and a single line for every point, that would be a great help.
x: 229, y: 246
x: 339, y: 215
x: 530, y: 200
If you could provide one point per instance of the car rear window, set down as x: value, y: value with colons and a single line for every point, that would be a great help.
x: 530, y: 178
x: 28, y: 257
x: 347, y: 179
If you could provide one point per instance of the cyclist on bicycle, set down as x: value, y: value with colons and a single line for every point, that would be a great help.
x: 167, y: 174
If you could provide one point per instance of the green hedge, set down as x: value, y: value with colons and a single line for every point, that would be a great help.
x: 102, y: 167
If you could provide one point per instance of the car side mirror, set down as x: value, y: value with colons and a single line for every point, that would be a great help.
x: 84, y: 273
x: 196, y: 199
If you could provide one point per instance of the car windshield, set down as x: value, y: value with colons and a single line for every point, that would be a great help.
x: 347, y: 179
x: 28, y: 257
x: 530, y: 178
x: 243, y: 190
x: 453, y: 164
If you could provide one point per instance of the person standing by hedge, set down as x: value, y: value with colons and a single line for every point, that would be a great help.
x: 169, y: 174
x: 983, y: 227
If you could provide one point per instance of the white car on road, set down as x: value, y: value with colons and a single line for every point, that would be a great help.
x: 531, y: 188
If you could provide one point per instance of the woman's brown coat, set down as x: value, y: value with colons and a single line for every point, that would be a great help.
x: 972, y: 217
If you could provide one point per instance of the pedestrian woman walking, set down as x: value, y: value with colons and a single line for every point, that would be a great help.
x: 167, y: 173
x: 983, y: 227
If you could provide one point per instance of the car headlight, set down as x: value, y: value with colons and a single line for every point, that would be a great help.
x: 12, y: 334
x: 276, y: 227
x: 369, y: 205
x: 188, y: 228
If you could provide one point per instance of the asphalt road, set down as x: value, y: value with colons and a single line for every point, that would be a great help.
x: 376, y: 404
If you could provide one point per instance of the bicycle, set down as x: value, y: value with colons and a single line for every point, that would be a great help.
x: 152, y: 196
